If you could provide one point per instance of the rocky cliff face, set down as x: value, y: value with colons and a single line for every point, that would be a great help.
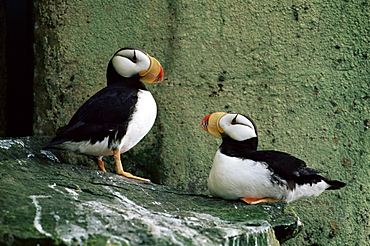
x: 44, y: 202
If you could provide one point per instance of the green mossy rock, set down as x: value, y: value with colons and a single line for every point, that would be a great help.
x: 49, y: 203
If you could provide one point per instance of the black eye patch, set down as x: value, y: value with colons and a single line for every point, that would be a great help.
x: 233, y: 122
x: 134, y: 59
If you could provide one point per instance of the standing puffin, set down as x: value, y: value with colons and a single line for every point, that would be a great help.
x: 239, y: 171
x: 117, y: 117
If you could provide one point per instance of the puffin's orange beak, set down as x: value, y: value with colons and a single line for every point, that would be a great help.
x: 154, y: 74
x: 210, y: 123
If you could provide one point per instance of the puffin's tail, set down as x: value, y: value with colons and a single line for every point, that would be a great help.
x: 334, y: 184
x: 49, y: 146
x: 54, y: 144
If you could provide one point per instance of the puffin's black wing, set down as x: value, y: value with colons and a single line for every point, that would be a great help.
x: 283, y: 164
x: 291, y: 169
x: 102, y: 115
x: 286, y: 167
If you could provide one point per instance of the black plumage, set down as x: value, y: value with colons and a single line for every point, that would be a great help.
x: 99, y: 116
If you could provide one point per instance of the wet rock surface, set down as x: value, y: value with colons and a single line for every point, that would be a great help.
x: 49, y: 203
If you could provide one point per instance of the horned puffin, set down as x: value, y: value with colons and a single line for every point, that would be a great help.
x: 117, y: 117
x: 239, y: 171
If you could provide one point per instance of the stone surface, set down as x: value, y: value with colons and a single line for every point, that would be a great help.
x: 299, y: 69
x: 49, y: 203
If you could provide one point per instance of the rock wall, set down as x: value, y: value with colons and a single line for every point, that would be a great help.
x: 299, y: 69
x: 2, y: 70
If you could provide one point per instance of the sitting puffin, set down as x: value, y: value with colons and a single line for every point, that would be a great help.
x: 239, y: 171
x: 117, y: 117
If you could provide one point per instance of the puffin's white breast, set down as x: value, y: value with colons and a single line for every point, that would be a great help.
x: 234, y: 178
x: 142, y: 120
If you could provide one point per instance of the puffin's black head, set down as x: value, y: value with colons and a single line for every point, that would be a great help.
x: 235, y: 126
x: 134, y: 64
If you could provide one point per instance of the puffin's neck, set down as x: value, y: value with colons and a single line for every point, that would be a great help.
x: 114, y: 79
x: 235, y: 148
x: 127, y: 82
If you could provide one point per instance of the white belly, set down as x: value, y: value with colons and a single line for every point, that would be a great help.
x: 233, y: 178
x: 142, y: 120
x: 306, y: 190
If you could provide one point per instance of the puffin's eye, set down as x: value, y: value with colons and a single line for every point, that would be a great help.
x: 134, y: 59
x: 233, y: 122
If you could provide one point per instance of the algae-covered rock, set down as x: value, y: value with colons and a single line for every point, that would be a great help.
x: 49, y: 203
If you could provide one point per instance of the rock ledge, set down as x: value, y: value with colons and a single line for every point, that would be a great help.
x: 46, y: 202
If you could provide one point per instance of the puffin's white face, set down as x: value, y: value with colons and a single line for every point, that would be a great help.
x: 130, y: 62
x: 236, y: 126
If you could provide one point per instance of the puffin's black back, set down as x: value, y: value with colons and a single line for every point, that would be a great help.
x: 100, y: 116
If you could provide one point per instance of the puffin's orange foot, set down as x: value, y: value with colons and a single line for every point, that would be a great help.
x: 101, y: 165
x: 130, y: 176
x: 253, y: 201
x: 119, y: 168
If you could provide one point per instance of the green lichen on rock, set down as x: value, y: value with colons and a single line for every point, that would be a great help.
x: 46, y: 202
